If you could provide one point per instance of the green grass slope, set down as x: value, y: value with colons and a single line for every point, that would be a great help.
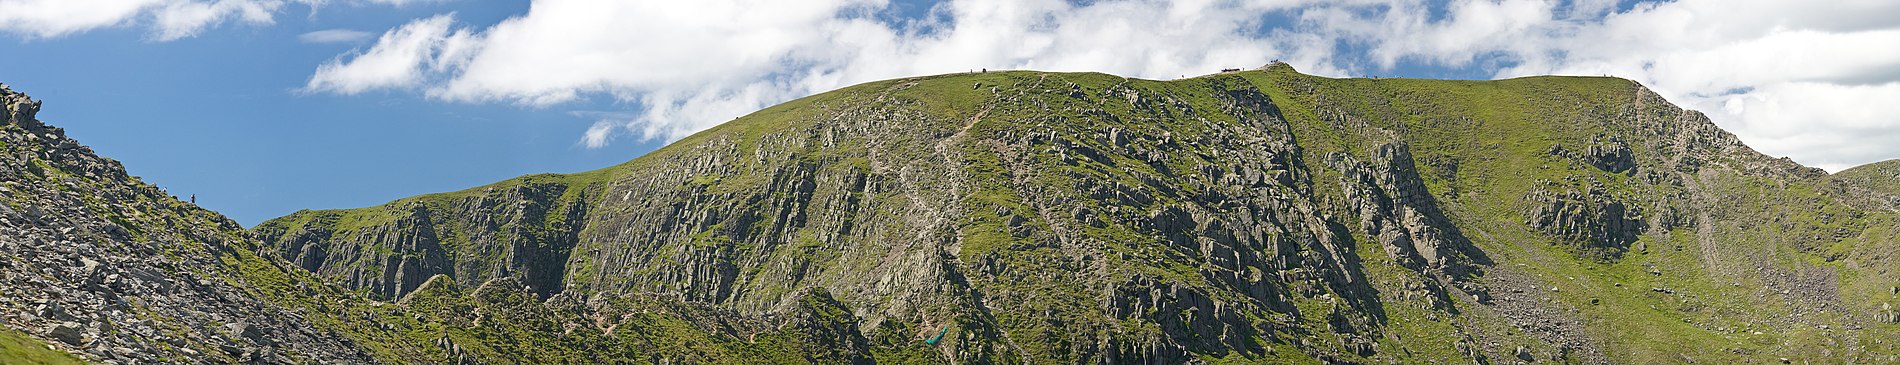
x: 17, y: 348
x: 1255, y: 216
x: 1743, y: 259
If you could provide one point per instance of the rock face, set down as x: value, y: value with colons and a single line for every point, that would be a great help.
x: 1887, y: 314
x: 1874, y: 186
x: 1591, y: 220
x: 524, y: 231
x: 107, y: 266
x: 1607, y: 153
x: 1254, y: 215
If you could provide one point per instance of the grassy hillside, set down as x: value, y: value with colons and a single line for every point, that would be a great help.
x: 1263, y: 215
x: 17, y: 348
x: 1735, y: 244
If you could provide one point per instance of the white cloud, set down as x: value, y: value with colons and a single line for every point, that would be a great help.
x: 599, y: 134
x: 334, y: 36
x: 398, y: 59
x: 167, y: 19
x: 179, y: 19
x: 1791, y: 78
x: 691, y: 65
x: 53, y: 18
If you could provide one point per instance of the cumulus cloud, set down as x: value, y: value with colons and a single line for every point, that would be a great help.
x: 52, y: 18
x: 334, y: 36
x: 167, y: 19
x: 1790, y: 78
x: 399, y: 58
x: 690, y: 65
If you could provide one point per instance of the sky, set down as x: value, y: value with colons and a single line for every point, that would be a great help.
x: 264, y: 107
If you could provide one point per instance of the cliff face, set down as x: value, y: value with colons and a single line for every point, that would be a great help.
x: 1051, y: 217
x: 523, y: 230
x: 102, y: 264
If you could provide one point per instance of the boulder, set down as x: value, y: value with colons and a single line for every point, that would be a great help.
x: 69, y: 332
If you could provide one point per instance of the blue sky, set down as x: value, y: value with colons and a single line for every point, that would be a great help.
x: 220, y: 115
x: 242, y: 109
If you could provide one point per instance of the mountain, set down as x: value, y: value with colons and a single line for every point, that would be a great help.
x: 1016, y: 217
x: 100, y: 262
x: 96, y: 263
x: 1262, y: 215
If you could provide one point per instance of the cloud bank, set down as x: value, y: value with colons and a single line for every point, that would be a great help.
x: 691, y: 65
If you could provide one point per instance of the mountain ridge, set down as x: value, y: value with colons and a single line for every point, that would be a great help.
x: 957, y: 158
x: 1028, y: 217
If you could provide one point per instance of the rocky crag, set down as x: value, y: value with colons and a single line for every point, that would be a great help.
x: 102, y: 264
x: 1262, y: 215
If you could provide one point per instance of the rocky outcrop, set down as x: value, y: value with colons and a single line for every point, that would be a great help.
x: 362, y: 266
x: 1687, y: 141
x: 1194, y: 322
x: 1604, y: 152
x: 109, y: 267
x: 1395, y: 208
x: 1589, y: 219
x: 1874, y: 186
x: 522, y: 230
x: 828, y: 329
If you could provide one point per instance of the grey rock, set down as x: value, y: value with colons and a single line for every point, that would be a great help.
x: 71, y: 248
x: 52, y: 310
x: 1588, y: 218
x: 72, y: 333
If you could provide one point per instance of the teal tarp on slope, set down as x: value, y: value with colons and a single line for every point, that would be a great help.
x: 933, y: 340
